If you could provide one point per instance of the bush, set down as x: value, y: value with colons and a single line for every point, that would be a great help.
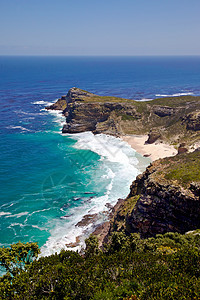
x: 164, y: 267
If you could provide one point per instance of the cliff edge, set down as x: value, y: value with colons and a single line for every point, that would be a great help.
x: 165, y: 198
x: 172, y: 119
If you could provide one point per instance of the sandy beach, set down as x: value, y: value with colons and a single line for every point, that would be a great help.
x: 153, y: 151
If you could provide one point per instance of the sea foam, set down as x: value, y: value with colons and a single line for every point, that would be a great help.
x: 175, y: 95
x: 119, y: 167
x: 43, y: 103
x: 19, y: 127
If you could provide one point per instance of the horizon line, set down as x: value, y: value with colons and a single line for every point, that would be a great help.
x: 99, y: 55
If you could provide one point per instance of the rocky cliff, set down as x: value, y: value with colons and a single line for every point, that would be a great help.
x: 175, y: 119
x: 164, y: 198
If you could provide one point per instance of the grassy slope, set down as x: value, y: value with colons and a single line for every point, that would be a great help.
x: 167, y: 101
x: 183, y: 169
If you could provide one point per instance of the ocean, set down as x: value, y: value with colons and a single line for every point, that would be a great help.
x: 50, y: 181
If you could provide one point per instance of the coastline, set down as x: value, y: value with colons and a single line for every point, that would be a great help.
x: 123, y: 156
x: 154, y: 151
x: 100, y: 227
x: 118, y: 168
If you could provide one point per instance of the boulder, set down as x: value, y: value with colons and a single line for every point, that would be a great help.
x: 153, y: 136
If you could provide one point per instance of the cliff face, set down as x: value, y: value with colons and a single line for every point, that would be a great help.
x: 96, y: 117
x: 164, y: 198
x: 170, y: 119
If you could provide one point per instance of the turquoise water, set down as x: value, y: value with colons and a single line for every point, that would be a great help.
x: 49, y: 181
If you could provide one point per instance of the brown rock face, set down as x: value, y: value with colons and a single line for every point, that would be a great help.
x: 74, y: 94
x: 82, y: 114
x: 163, y: 205
x: 169, y: 119
x: 60, y: 104
x: 84, y: 117
x: 153, y: 136
x: 163, y: 111
x: 192, y: 121
x: 164, y: 208
x: 182, y: 150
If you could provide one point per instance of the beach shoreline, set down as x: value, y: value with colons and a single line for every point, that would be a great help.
x: 154, y: 151
x: 138, y: 143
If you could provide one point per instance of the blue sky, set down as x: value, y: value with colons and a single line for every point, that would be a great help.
x: 103, y: 27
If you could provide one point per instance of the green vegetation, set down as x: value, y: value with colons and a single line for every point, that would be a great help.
x: 184, y: 168
x: 105, y: 99
x: 18, y: 256
x: 145, y: 117
x: 167, y: 101
x: 128, y: 205
x: 127, y: 117
x: 119, y: 220
x: 164, y: 267
x: 175, y: 101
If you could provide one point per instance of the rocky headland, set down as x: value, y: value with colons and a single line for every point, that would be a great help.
x: 166, y: 196
x: 172, y: 119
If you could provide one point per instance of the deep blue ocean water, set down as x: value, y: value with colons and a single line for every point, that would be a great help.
x: 49, y: 181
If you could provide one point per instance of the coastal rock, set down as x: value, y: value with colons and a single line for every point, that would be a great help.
x: 182, y: 148
x: 163, y: 111
x: 60, y: 104
x: 153, y: 136
x: 170, y: 119
x: 83, y: 114
x: 87, y: 219
x: 72, y: 127
x: 192, y: 121
x: 76, y: 94
x: 161, y: 199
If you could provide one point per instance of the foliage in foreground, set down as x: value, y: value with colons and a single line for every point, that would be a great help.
x: 164, y: 267
x: 18, y: 257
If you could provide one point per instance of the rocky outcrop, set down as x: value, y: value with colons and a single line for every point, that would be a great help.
x: 76, y: 94
x: 192, y: 121
x: 84, y: 113
x: 163, y: 111
x: 167, y: 119
x: 182, y: 148
x: 153, y: 136
x: 164, y: 204
x: 162, y: 209
x: 60, y: 104
x: 96, y: 117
